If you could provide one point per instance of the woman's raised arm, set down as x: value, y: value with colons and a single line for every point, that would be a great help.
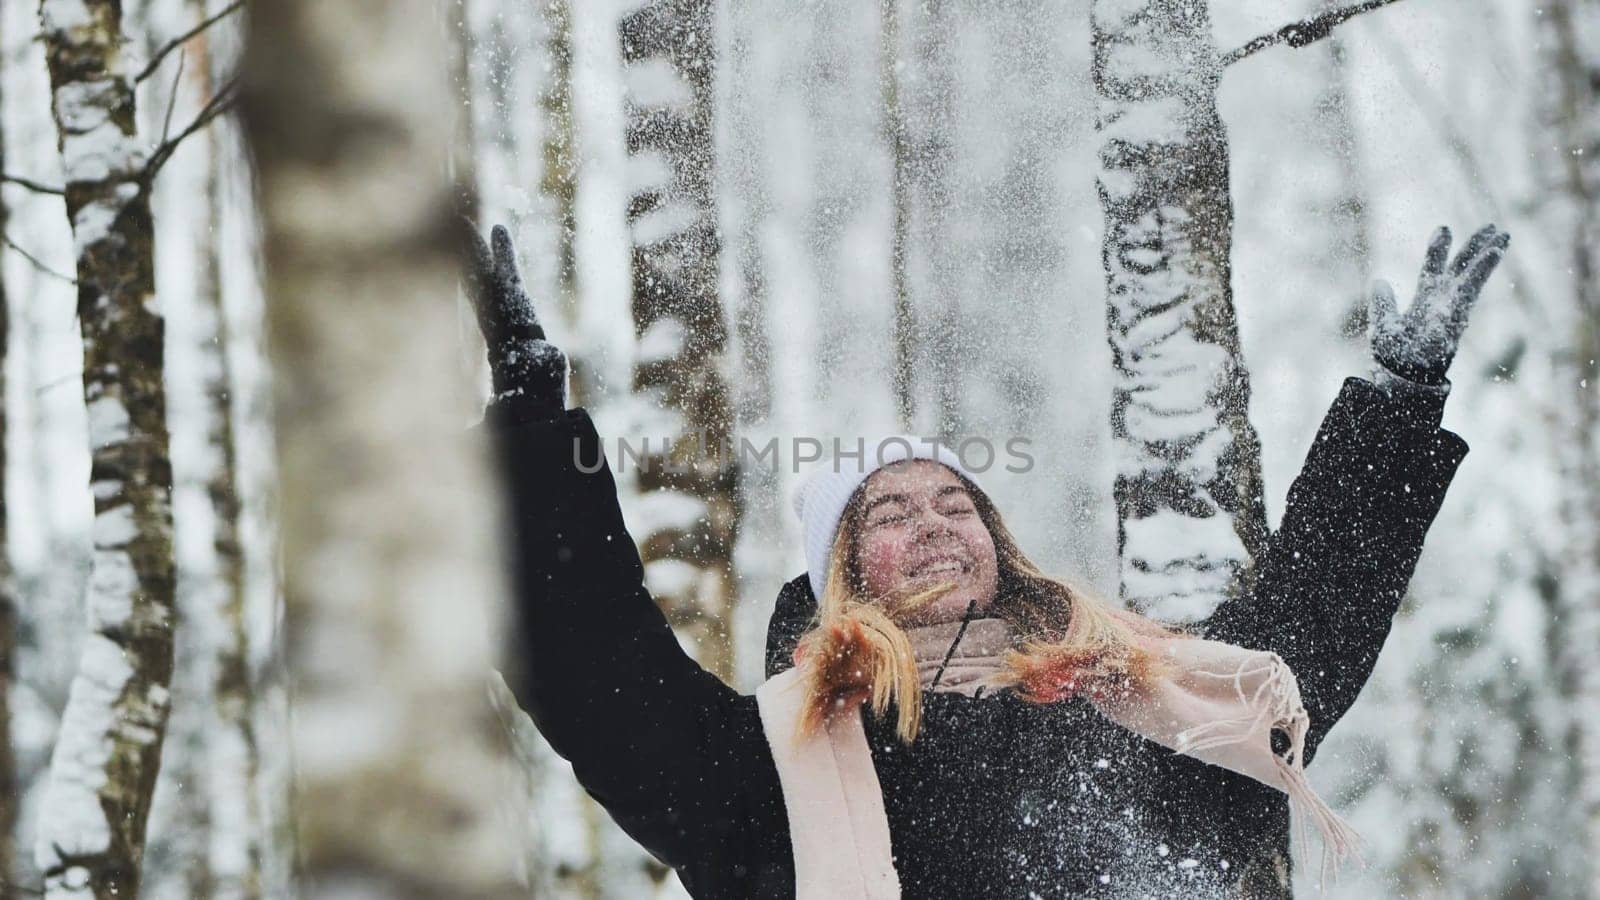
x: 666, y: 747
x: 1324, y: 594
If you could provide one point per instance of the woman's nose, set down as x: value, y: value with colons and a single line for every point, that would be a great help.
x: 931, y: 524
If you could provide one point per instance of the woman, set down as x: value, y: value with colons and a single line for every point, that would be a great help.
x: 957, y: 724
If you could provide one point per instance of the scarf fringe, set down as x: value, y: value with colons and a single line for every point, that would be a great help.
x: 1264, y: 695
x: 1340, y: 841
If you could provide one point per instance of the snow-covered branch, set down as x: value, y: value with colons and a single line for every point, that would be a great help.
x: 30, y: 184
x: 1304, y: 32
x: 35, y: 261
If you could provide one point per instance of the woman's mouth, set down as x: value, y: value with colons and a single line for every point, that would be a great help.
x: 948, y: 566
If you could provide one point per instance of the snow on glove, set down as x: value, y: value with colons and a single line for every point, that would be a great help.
x: 1420, y: 344
x: 529, y: 372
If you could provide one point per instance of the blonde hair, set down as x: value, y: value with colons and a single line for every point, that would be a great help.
x: 1069, y: 642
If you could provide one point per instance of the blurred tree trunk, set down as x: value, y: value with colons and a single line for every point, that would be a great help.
x: 560, y: 178
x: 10, y: 783
x: 232, y: 759
x: 677, y: 311
x: 463, y: 159
x: 930, y: 112
x: 391, y: 563
x: 1571, y: 27
x: 1352, y: 218
x: 175, y: 860
x: 762, y: 550
x: 104, y: 767
x: 918, y: 120
x: 894, y: 127
x: 1188, y: 490
x: 204, y: 821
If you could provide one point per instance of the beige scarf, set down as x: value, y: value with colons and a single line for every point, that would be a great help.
x: 1215, y: 702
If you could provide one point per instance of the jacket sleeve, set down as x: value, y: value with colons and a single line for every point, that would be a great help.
x: 1324, y: 594
x: 657, y: 740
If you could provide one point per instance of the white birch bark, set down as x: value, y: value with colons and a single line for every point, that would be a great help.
x: 232, y: 754
x: 928, y: 150
x: 390, y: 558
x: 238, y: 245
x: 669, y: 55
x: 214, y: 841
x: 177, y: 863
x: 1188, y: 489
x: 10, y: 784
x: 894, y: 131
x: 49, y: 454
x: 103, y: 770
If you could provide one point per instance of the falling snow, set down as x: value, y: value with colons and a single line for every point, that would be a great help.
x: 1457, y: 762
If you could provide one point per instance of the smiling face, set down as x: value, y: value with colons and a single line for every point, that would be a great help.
x: 918, y: 528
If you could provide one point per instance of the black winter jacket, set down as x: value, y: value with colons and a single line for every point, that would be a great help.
x: 996, y: 797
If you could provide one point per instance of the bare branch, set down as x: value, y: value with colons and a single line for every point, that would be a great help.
x: 219, y: 103
x: 172, y: 100
x: 180, y: 40
x: 36, y: 261
x: 1304, y: 32
x: 66, y: 379
x: 32, y: 185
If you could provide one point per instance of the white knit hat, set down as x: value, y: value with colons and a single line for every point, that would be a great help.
x: 821, y: 500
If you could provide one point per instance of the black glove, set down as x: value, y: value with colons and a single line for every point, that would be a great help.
x: 1420, y: 344
x: 529, y: 372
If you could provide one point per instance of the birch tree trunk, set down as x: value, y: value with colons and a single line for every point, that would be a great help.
x: 750, y: 196
x: 391, y: 564
x: 175, y: 863
x: 205, y: 825
x: 1571, y: 28
x: 10, y: 784
x: 1190, y: 509
x: 560, y: 179
x: 678, y: 311
x: 894, y: 129
x: 930, y: 114
x: 747, y: 197
x: 232, y: 756
x: 103, y: 770
x: 1188, y: 485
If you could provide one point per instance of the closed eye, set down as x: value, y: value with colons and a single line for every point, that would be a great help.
x: 957, y: 503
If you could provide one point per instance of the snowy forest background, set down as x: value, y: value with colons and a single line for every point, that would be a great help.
x: 753, y: 217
